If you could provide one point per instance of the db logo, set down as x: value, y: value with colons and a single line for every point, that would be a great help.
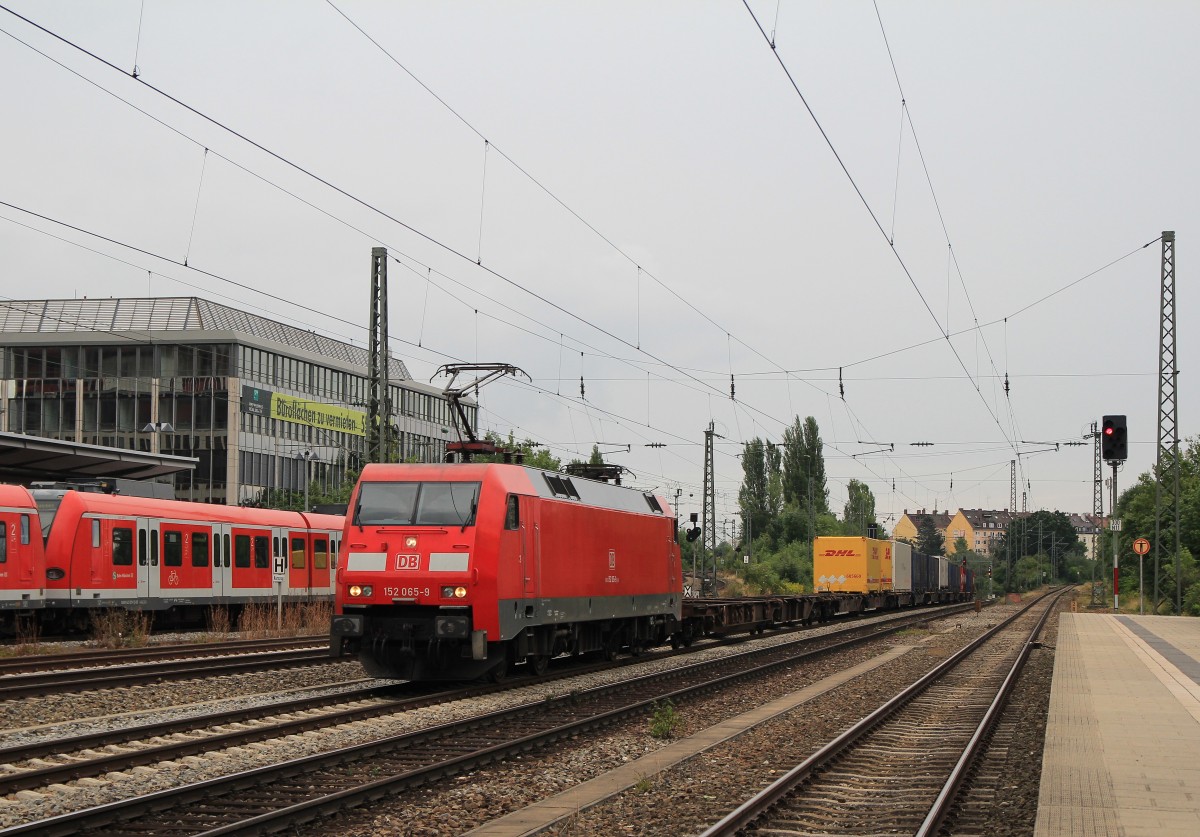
x: 408, y: 562
x: 612, y: 559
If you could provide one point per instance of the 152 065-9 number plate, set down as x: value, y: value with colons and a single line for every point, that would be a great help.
x: 406, y: 592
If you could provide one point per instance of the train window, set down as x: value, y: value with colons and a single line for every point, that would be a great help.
x: 226, y: 550
x: 4, y: 547
x: 154, y: 547
x: 24, y: 529
x: 141, y: 547
x: 262, y: 558
x: 241, y: 545
x: 216, y: 550
x: 320, y: 554
x: 172, y: 548
x: 386, y: 504
x: 122, y: 547
x: 512, y: 514
x: 275, y: 546
x: 447, y: 503
x: 199, y: 549
x: 298, y: 553
x: 653, y: 501
x: 95, y: 534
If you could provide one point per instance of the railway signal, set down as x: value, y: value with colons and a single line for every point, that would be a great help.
x: 1114, y: 440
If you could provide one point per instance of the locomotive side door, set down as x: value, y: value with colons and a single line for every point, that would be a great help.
x: 530, y: 546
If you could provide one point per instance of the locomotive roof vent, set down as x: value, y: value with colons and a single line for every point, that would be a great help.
x: 653, y: 501
x: 562, y: 486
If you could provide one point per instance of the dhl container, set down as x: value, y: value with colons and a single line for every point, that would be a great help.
x: 849, y: 564
x: 902, y: 567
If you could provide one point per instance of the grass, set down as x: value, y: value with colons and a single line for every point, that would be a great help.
x: 27, y: 637
x: 116, y: 628
x: 261, y: 621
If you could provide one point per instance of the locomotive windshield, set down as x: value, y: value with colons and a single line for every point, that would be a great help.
x: 417, y: 504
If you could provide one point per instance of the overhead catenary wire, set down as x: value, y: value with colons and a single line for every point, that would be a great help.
x: 731, y: 373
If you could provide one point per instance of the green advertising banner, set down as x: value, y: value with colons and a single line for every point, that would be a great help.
x: 303, y: 411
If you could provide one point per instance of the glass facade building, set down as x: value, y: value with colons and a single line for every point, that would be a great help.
x: 259, y: 403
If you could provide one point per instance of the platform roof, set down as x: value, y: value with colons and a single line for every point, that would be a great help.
x: 25, y: 457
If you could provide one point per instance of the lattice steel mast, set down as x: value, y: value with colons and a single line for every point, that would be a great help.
x: 379, y: 402
x: 1166, y: 471
x: 1098, y: 478
x: 708, y: 519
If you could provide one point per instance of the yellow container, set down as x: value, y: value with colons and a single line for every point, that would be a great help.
x: 851, y: 565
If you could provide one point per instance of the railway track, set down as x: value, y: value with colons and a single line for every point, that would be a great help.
x: 41, y: 683
x: 121, y: 656
x: 302, y: 789
x: 899, y: 769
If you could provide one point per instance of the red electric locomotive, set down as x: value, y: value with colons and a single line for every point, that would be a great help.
x: 22, y: 555
x: 459, y: 570
x: 106, y: 550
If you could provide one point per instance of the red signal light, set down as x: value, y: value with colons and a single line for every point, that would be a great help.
x: 1108, y: 431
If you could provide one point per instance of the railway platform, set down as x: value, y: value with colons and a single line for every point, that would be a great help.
x: 1123, y: 738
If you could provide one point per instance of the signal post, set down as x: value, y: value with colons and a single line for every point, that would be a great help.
x: 1114, y: 449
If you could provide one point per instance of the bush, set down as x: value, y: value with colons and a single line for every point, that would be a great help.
x: 665, y: 720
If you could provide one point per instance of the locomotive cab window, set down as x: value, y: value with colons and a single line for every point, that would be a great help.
x: 122, y: 547
x: 24, y: 529
x: 512, y: 513
x: 95, y: 534
x: 417, y: 504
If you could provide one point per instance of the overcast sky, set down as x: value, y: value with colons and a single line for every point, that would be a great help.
x: 655, y: 210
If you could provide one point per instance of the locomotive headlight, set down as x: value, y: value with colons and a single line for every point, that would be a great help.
x: 410, y: 542
x: 355, y: 590
x: 367, y: 591
x: 460, y: 592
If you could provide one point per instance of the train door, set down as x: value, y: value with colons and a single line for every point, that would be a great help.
x: 17, y: 550
x: 221, y: 546
x: 143, y: 557
x: 279, y: 549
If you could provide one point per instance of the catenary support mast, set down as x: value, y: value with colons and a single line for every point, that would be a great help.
x: 1166, y: 471
x: 379, y: 402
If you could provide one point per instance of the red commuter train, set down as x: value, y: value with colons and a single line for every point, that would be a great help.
x: 69, y: 552
x: 22, y: 554
x: 461, y: 570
